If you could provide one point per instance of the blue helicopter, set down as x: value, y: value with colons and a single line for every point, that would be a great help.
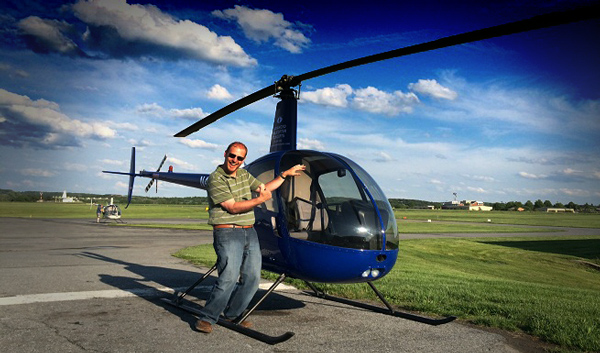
x: 333, y: 223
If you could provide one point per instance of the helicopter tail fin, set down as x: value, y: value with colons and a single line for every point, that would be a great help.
x: 131, y: 174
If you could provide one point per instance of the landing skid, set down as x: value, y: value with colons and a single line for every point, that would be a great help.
x: 234, y: 325
x: 388, y: 311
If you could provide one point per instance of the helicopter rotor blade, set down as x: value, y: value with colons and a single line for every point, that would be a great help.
x: 239, y: 104
x: 158, y: 170
x: 533, y: 23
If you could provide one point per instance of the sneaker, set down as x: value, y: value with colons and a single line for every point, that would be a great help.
x: 203, y: 326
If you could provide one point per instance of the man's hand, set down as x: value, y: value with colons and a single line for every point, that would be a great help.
x: 264, y: 194
x: 294, y: 171
x: 275, y: 183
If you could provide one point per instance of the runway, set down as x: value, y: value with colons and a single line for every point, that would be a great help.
x: 73, y: 285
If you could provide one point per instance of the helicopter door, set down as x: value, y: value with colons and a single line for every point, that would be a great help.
x: 308, y: 216
x: 327, y: 205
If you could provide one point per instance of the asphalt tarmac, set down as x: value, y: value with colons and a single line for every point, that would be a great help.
x: 78, y: 286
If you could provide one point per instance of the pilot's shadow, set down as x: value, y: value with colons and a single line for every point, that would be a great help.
x: 173, y: 278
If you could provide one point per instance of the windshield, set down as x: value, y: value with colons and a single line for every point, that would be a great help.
x: 327, y: 204
x: 385, y: 209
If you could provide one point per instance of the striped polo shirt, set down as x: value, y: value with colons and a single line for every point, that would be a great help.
x: 222, y: 187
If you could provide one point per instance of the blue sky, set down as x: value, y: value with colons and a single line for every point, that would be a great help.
x: 508, y: 119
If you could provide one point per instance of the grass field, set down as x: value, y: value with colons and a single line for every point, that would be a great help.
x: 537, y: 285
x: 580, y: 220
x: 531, y: 285
x: 79, y: 210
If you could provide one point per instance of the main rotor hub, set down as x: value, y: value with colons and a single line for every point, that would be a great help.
x: 283, y: 87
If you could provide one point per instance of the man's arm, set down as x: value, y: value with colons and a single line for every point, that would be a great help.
x: 293, y: 171
x: 235, y: 207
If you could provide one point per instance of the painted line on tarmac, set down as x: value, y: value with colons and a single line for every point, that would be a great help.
x: 109, y: 294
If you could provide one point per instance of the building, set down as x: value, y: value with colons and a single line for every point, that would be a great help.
x: 556, y: 210
x: 65, y: 198
x: 466, y: 205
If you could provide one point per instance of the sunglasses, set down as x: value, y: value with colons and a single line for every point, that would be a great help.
x: 233, y: 156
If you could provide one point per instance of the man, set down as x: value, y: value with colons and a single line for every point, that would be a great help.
x: 98, y: 213
x: 235, y: 241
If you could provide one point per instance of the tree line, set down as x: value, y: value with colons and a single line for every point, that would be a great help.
x: 34, y: 196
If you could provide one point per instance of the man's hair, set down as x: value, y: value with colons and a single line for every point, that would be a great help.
x: 237, y: 143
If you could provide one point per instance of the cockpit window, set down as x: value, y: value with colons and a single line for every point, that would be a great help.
x: 328, y: 205
x: 385, y: 209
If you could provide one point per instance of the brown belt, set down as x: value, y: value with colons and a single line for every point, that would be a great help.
x: 219, y: 226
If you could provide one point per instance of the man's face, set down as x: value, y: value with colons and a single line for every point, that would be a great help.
x: 234, y: 158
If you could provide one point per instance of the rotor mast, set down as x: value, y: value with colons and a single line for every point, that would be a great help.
x: 285, y: 123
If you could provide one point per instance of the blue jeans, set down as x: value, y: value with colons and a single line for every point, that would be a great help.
x: 238, y: 258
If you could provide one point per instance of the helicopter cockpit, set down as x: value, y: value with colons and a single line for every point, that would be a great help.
x: 334, y: 202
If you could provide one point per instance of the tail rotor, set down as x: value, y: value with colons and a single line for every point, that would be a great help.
x: 158, y: 170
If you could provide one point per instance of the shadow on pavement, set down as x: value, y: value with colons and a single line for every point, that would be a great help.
x: 174, y: 278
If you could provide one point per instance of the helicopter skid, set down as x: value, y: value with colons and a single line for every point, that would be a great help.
x: 272, y: 340
x: 387, y: 311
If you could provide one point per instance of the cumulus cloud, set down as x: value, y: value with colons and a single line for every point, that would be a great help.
x: 40, y: 123
x: 124, y: 30
x: 13, y: 72
x: 264, y: 25
x: 188, y: 114
x: 310, y: 144
x: 116, y: 29
x: 511, y: 109
x: 433, y: 88
x: 181, y: 164
x: 195, y: 143
x: 480, y: 178
x: 382, y: 157
x: 75, y: 167
x: 37, y: 172
x: 330, y: 96
x: 372, y: 100
x: 155, y: 110
x: 219, y: 92
x: 368, y: 99
x: 575, y: 192
x: 113, y: 162
x: 531, y: 176
x: 478, y: 190
x: 49, y: 36
x: 123, y: 126
x: 528, y: 160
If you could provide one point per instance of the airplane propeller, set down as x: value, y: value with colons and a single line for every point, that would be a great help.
x: 287, y: 82
x: 158, y: 170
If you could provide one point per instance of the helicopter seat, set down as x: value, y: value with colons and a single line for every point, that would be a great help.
x: 302, y: 210
x: 310, y: 222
